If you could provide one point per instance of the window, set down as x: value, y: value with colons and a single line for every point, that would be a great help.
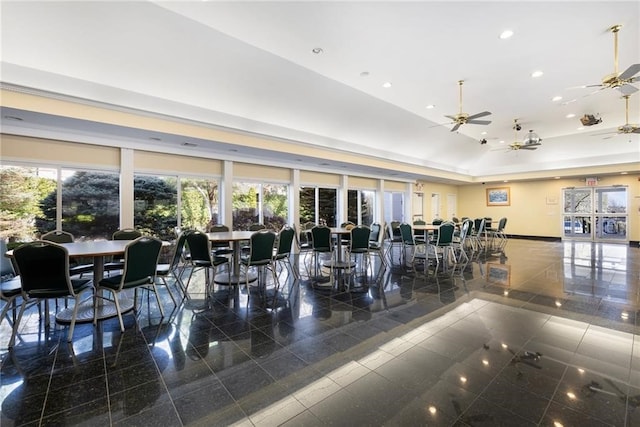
x: 360, y: 206
x: 199, y: 203
x: 31, y: 195
x: 155, y: 205
x: 90, y: 204
x: 259, y: 203
x: 22, y: 193
x: 318, y: 205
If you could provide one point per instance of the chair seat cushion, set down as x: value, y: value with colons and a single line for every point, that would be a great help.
x: 79, y: 285
x: 163, y: 269
x: 11, y: 287
x: 113, y: 282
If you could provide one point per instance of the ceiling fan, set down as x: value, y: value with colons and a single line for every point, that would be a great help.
x: 626, y: 128
x: 621, y: 81
x: 464, y: 118
x: 530, y: 142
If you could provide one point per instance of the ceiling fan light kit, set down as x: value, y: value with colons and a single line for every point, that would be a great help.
x: 464, y: 118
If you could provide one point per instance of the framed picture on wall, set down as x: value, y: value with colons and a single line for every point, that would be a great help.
x: 498, y: 196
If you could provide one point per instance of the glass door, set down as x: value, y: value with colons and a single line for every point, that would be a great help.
x: 595, y: 213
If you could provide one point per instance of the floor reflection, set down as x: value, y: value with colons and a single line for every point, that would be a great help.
x: 547, y: 323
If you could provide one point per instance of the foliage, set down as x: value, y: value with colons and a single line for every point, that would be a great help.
x: 20, y: 193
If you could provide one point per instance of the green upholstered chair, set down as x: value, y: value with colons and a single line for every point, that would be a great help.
x: 282, y: 254
x: 203, y: 258
x: 139, y: 271
x: 262, y: 247
x: 43, y: 267
x: 174, y: 268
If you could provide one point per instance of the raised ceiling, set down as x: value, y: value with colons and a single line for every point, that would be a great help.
x: 250, y: 66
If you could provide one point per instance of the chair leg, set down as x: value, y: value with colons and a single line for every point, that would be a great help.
x: 117, y: 304
x: 72, y: 325
x: 155, y: 291
x: 166, y: 284
x: 16, y: 325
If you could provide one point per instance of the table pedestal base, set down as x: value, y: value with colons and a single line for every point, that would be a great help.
x: 234, y: 279
x: 106, y: 310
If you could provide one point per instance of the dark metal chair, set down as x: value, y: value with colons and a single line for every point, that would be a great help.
x: 139, y: 271
x: 202, y: 258
x: 282, y: 253
x: 261, y: 256
x: 43, y: 267
x: 173, y: 269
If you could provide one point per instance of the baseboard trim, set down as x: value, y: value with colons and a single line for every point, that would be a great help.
x: 543, y: 238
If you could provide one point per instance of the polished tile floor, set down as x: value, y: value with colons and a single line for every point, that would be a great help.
x: 543, y: 333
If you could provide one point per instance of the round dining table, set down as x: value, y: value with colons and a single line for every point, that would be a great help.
x: 235, y: 238
x: 98, y: 250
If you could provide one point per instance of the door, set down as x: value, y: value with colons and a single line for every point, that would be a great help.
x: 598, y: 214
x: 435, y: 206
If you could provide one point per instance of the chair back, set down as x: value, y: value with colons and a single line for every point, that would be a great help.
x: 321, y: 237
x: 359, y: 238
x: 262, y: 246
x: 44, y: 269
x: 126, y: 234
x: 406, y: 233
x: 199, y: 246
x: 445, y: 235
x: 58, y: 236
x: 285, y: 240
x: 502, y: 224
x: 465, y: 229
x: 217, y: 228
x: 140, y: 261
x: 178, y: 251
x: 478, y: 226
x: 394, y: 230
x: 375, y: 231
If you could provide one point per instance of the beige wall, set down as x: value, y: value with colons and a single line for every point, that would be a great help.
x: 536, y: 207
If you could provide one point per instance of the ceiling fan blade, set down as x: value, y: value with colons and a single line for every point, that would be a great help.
x: 630, y: 72
x: 451, y: 117
x: 524, y: 147
x: 477, y: 116
x: 479, y: 122
x: 627, y: 89
x: 636, y: 130
x: 455, y: 128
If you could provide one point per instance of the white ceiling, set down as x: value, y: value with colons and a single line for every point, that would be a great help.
x: 250, y: 66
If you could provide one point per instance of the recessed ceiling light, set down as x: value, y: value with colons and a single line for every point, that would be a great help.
x: 484, y: 132
x: 155, y: 138
x: 502, y: 141
x: 623, y: 173
x: 580, y: 128
x: 556, y: 177
x: 556, y: 98
x: 386, y: 85
x: 506, y: 34
x: 317, y: 50
x: 430, y: 107
x: 17, y: 119
x: 233, y: 150
x: 536, y: 74
x: 189, y: 144
x: 364, y: 74
x: 570, y: 116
